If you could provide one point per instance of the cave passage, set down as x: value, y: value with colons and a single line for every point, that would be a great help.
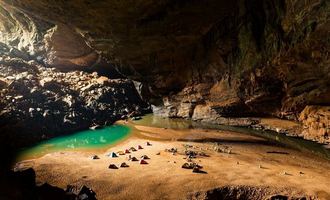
x: 191, y: 99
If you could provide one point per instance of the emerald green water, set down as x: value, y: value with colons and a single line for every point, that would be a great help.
x: 86, y: 140
x: 103, y: 138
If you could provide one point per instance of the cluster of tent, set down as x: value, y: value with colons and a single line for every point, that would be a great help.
x: 127, y: 151
x: 142, y: 161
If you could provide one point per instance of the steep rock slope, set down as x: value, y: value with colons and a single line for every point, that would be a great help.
x: 207, y: 60
x: 38, y: 102
x: 42, y: 102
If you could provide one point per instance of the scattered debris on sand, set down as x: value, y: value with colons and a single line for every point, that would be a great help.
x: 191, y: 166
x: 222, y: 149
x: 171, y: 150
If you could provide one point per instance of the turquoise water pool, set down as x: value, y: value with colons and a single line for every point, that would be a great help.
x: 102, y: 138
x: 88, y: 139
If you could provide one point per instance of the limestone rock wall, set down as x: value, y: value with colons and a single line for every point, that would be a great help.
x: 37, y: 103
x: 211, y: 59
x: 316, y: 123
x: 51, y: 43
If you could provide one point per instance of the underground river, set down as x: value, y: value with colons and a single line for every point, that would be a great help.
x: 254, y: 164
x: 100, y: 139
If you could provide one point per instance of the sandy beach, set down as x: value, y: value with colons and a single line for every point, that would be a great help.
x: 252, y: 161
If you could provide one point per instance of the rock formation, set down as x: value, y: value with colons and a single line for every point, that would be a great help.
x: 42, y: 102
x: 316, y: 123
x: 245, y: 192
x: 38, y: 102
x: 208, y: 60
x: 22, y: 185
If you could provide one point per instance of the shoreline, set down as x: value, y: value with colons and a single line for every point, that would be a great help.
x: 274, y: 125
x: 164, y: 178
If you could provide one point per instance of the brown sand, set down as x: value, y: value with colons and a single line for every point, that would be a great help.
x: 163, y: 177
x: 294, y: 128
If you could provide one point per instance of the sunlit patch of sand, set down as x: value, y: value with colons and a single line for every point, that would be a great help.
x: 163, y: 178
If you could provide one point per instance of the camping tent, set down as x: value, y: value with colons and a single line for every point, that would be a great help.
x: 113, y: 166
x: 113, y: 155
x: 134, y: 159
x: 132, y: 149
x: 124, y: 165
x: 145, y: 157
x: 94, y: 157
x: 143, y: 162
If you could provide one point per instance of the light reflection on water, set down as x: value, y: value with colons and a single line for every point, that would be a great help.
x: 281, y: 139
x: 88, y: 139
x: 103, y: 138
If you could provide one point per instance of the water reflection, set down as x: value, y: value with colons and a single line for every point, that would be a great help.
x: 88, y: 139
x: 281, y: 139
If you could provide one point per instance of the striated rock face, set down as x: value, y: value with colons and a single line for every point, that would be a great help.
x: 51, y: 43
x: 208, y: 60
x: 65, y: 49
